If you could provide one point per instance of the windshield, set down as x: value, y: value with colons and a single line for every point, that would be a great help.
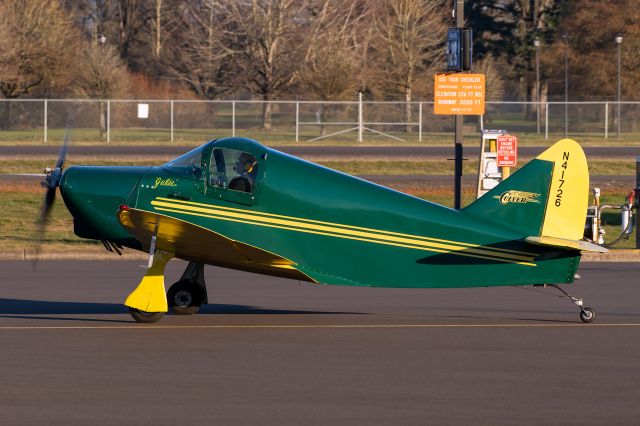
x: 188, y: 164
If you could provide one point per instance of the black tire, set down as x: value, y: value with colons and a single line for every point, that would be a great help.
x: 185, y: 298
x: 587, y: 315
x: 145, y: 317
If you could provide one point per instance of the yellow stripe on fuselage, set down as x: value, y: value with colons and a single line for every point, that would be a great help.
x: 342, y: 226
x: 340, y: 231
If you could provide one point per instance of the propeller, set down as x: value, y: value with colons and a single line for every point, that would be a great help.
x: 51, y: 183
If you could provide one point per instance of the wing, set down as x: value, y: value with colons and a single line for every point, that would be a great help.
x: 193, y: 242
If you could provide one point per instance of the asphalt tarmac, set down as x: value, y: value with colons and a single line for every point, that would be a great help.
x: 277, y: 352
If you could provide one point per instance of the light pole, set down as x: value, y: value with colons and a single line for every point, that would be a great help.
x: 536, y: 43
x: 565, y: 37
x: 619, y: 43
x: 105, y: 113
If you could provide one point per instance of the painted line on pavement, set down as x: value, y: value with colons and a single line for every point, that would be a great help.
x: 319, y: 326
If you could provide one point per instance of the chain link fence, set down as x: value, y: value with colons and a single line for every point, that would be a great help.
x: 298, y: 121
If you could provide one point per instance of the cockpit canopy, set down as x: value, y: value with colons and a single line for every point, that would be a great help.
x: 229, y: 167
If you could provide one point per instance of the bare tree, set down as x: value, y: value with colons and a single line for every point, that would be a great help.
x: 160, y: 18
x: 127, y: 24
x: 131, y: 17
x: 493, y: 77
x: 410, y: 38
x: 195, y: 53
x: 94, y: 17
x: 330, y: 62
x: 36, y: 48
x: 506, y: 29
x: 267, y: 40
x: 103, y: 75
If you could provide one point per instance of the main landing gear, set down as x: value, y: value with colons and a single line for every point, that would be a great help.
x: 148, y: 302
x: 187, y: 295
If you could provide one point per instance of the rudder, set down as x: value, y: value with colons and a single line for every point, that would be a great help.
x: 568, y: 198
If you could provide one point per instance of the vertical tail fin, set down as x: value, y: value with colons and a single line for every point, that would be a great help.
x: 545, y: 198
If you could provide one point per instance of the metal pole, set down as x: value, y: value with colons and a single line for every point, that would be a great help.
x: 360, y: 124
x: 637, y: 200
x: 566, y: 84
x: 108, y: 121
x: 420, y: 122
x: 171, y: 120
x: 46, y: 107
x: 546, y: 121
x: 619, y: 43
x: 537, y: 44
x: 297, y: 121
x: 459, y: 121
x: 233, y: 119
x: 606, y: 120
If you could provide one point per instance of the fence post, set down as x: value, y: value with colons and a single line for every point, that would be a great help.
x: 360, y: 124
x: 233, y: 118
x: 606, y: 120
x: 171, y: 120
x: 297, y: 120
x: 546, y: 121
x: 637, y: 200
x: 108, y: 121
x: 420, y: 122
x: 45, y: 120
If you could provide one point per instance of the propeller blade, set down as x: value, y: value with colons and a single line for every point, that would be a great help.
x: 51, y: 183
x: 23, y: 174
x: 45, y: 210
x: 65, y: 143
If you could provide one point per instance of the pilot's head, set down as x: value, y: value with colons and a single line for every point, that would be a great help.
x: 246, y: 164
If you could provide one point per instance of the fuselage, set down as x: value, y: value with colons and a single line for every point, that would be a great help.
x: 338, y: 229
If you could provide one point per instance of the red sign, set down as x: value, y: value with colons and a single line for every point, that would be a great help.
x: 507, y: 150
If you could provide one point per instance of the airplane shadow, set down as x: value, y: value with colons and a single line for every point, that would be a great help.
x: 21, y: 308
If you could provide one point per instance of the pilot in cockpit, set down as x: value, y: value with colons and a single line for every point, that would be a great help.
x: 247, y: 169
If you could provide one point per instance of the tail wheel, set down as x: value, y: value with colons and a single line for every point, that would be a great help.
x: 587, y: 315
x: 185, y: 297
x: 145, y: 317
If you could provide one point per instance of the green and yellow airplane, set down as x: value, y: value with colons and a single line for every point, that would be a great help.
x: 237, y: 204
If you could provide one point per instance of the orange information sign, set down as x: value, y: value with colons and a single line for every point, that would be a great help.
x: 459, y: 94
x: 507, y: 150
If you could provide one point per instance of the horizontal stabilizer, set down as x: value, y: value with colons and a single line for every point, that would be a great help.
x: 564, y: 243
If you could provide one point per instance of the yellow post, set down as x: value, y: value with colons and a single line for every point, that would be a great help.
x: 506, y: 171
